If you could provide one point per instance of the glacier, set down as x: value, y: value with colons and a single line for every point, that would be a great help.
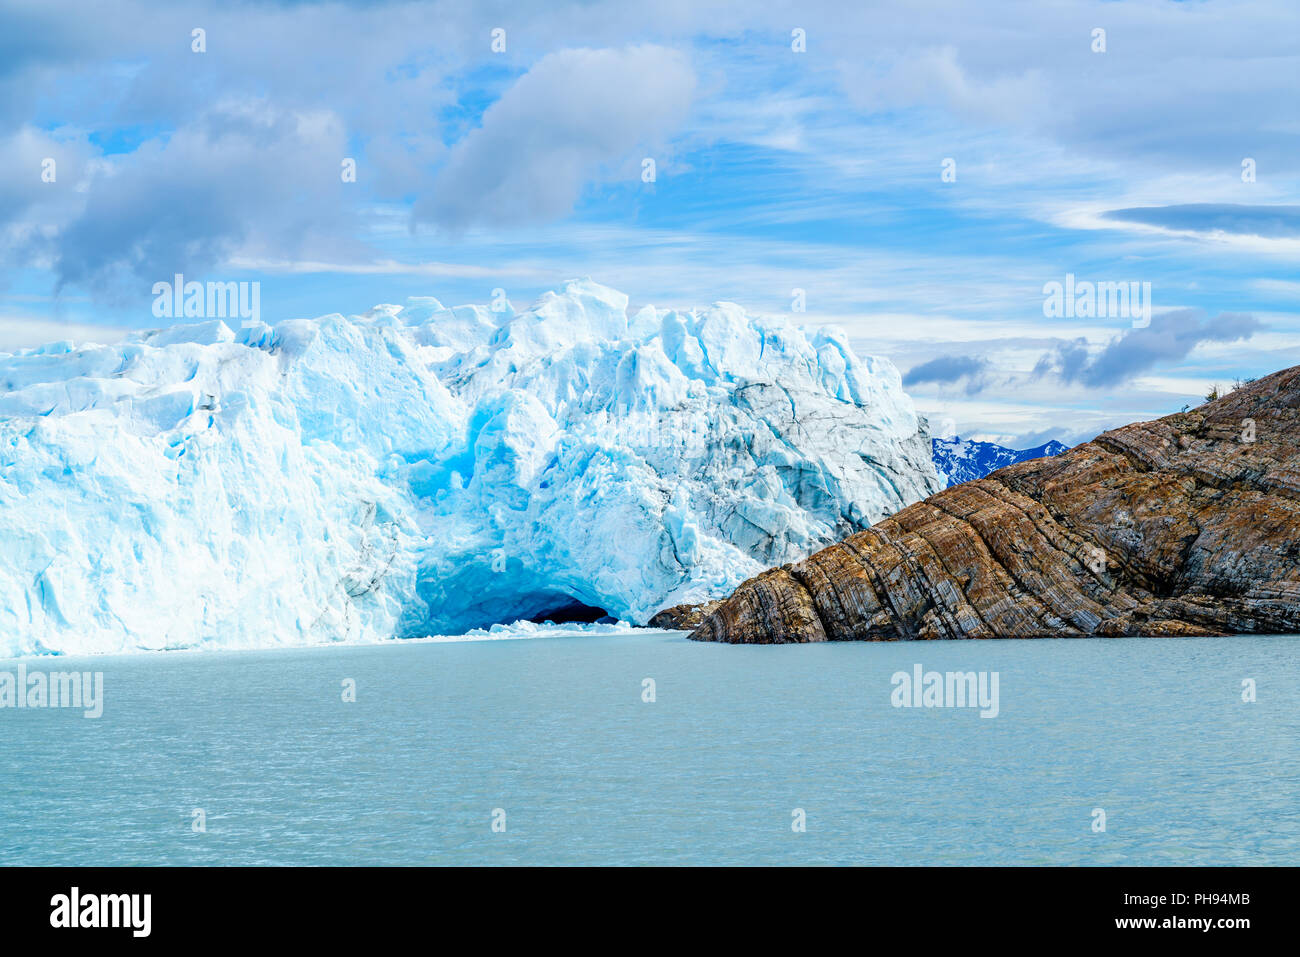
x: 424, y: 470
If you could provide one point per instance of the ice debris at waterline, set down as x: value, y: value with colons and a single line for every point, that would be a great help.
x: 520, y: 630
x: 424, y: 470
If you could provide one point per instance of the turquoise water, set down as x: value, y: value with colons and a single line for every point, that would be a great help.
x: 554, y: 732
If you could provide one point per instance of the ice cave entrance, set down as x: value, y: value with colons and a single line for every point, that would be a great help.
x: 565, y: 609
x: 477, y: 601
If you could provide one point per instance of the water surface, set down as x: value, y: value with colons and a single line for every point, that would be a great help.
x: 554, y: 731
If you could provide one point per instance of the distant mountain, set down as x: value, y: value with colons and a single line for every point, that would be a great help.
x: 957, y: 460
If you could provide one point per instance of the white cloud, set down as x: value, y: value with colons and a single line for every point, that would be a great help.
x: 576, y: 116
x: 24, y: 332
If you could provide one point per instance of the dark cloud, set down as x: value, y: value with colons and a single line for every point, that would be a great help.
x: 1169, y: 338
x: 1068, y: 360
x: 170, y: 162
x: 949, y: 369
x: 39, y: 35
x: 1272, y: 222
x: 239, y: 178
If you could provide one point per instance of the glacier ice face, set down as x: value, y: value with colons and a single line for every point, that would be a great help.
x: 421, y: 470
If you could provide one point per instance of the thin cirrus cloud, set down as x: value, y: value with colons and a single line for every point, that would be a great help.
x: 1269, y: 222
x: 576, y: 115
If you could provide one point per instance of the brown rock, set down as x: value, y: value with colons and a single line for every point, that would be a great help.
x: 682, y: 617
x: 1181, y: 526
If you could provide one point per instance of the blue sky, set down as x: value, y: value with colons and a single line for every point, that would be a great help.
x: 776, y: 170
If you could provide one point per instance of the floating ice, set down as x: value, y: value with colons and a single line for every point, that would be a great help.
x: 423, y: 470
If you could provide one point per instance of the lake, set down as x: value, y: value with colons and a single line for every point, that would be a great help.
x: 745, y: 755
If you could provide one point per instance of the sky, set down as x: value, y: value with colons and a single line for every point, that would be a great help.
x: 916, y: 173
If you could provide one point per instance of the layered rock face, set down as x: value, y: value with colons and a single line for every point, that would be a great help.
x: 683, y: 617
x: 1188, y: 525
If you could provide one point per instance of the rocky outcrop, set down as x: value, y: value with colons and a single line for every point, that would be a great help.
x: 1188, y: 525
x: 682, y: 617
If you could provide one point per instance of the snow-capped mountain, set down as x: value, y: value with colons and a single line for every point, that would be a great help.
x: 962, y: 460
x: 423, y: 469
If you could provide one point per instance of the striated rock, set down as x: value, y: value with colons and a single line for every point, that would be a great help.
x: 682, y: 617
x: 1188, y: 525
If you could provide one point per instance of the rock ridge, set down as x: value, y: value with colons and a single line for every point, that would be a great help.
x: 1185, y: 525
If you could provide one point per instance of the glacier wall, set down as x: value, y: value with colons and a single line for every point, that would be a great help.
x: 422, y: 470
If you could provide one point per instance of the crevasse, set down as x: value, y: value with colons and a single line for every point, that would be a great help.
x: 425, y: 470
